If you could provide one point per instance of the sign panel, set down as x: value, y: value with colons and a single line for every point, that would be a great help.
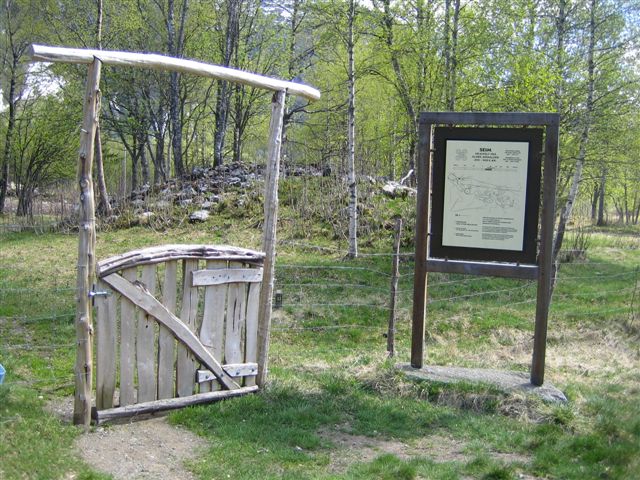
x: 486, y: 192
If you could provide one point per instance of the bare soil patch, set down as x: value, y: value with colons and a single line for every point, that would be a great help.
x: 438, y: 448
x: 149, y: 450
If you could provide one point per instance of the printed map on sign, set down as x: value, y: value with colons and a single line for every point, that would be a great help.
x: 485, y: 193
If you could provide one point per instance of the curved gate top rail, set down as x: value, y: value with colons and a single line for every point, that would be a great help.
x: 165, y: 253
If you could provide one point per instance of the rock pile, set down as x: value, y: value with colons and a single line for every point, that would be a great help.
x: 202, y: 189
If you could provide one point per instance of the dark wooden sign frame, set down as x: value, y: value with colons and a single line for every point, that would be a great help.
x: 527, y: 252
x: 540, y: 270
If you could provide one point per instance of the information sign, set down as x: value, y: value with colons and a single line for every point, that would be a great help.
x: 486, y: 194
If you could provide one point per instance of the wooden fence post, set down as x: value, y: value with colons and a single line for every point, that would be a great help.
x: 269, y: 233
x: 86, y: 250
x: 395, y: 274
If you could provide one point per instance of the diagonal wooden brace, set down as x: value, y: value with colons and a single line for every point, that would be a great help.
x: 140, y: 296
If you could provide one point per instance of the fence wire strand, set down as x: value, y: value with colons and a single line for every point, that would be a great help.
x: 309, y: 296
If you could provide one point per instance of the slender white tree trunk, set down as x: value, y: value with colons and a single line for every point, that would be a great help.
x: 353, y: 189
x: 567, y: 209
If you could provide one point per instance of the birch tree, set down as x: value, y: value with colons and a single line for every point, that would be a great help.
x: 229, y: 46
x: 607, y: 37
x: 351, y: 134
x: 17, y: 31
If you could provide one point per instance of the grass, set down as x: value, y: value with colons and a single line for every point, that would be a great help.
x: 335, y: 407
x: 35, y: 444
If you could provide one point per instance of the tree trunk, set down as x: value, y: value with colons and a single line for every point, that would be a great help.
x: 144, y: 162
x: 159, y: 175
x: 237, y: 124
x: 292, y: 70
x: 351, y: 125
x: 8, y: 138
x: 223, y: 99
x: 237, y: 144
x: 174, y: 117
x: 175, y: 46
x: 222, y: 115
x: 25, y: 202
x: 401, y: 84
x: 584, y: 138
x: 594, y: 204
x: 134, y: 164
x: 601, y: 194
x: 453, y: 60
x: 104, y: 206
x: 447, y: 49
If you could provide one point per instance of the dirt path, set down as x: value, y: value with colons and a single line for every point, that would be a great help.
x: 149, y: 450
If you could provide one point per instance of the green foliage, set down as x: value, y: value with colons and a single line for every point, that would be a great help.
x: 608, y: 451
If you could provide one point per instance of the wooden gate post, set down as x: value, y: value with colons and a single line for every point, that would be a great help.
x: 269, y: 233
x: 86, y: 250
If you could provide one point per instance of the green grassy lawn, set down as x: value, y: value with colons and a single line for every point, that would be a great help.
x: 335, y: 406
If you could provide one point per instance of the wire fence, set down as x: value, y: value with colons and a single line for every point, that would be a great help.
x: 330, y: 297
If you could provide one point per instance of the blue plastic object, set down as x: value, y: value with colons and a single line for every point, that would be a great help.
x: 2, y: 372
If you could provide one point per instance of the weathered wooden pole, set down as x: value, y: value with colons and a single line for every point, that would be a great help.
x: 86, y: 250
x: 545, y: 255
x: 269, y: 233
x: 395, y: 275
x: 422, y: 243
x: 160, y: 62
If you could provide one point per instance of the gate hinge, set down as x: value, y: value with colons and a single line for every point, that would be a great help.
x: 93, y: 294
x: 98, y: 293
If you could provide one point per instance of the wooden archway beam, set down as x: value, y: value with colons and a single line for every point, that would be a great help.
x: 154, y: 61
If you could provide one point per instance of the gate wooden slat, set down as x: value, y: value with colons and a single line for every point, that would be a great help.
x: 145, y: 343
x: 251, y: 346
x: 186, y: 368
x: 212, y: 329
x: 203, y: 278
x: 166, y: 341
x: 233, y: 370
x: 137, y: 294
x: 127, y: 344
x: 105, y: 348
x: 236, y: 309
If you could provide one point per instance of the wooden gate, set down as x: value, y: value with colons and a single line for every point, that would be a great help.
x: 163, y: 343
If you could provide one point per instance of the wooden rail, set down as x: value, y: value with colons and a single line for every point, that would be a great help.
x: 154, y: 61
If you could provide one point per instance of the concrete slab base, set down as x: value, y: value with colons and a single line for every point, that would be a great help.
x: 503, y: 380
